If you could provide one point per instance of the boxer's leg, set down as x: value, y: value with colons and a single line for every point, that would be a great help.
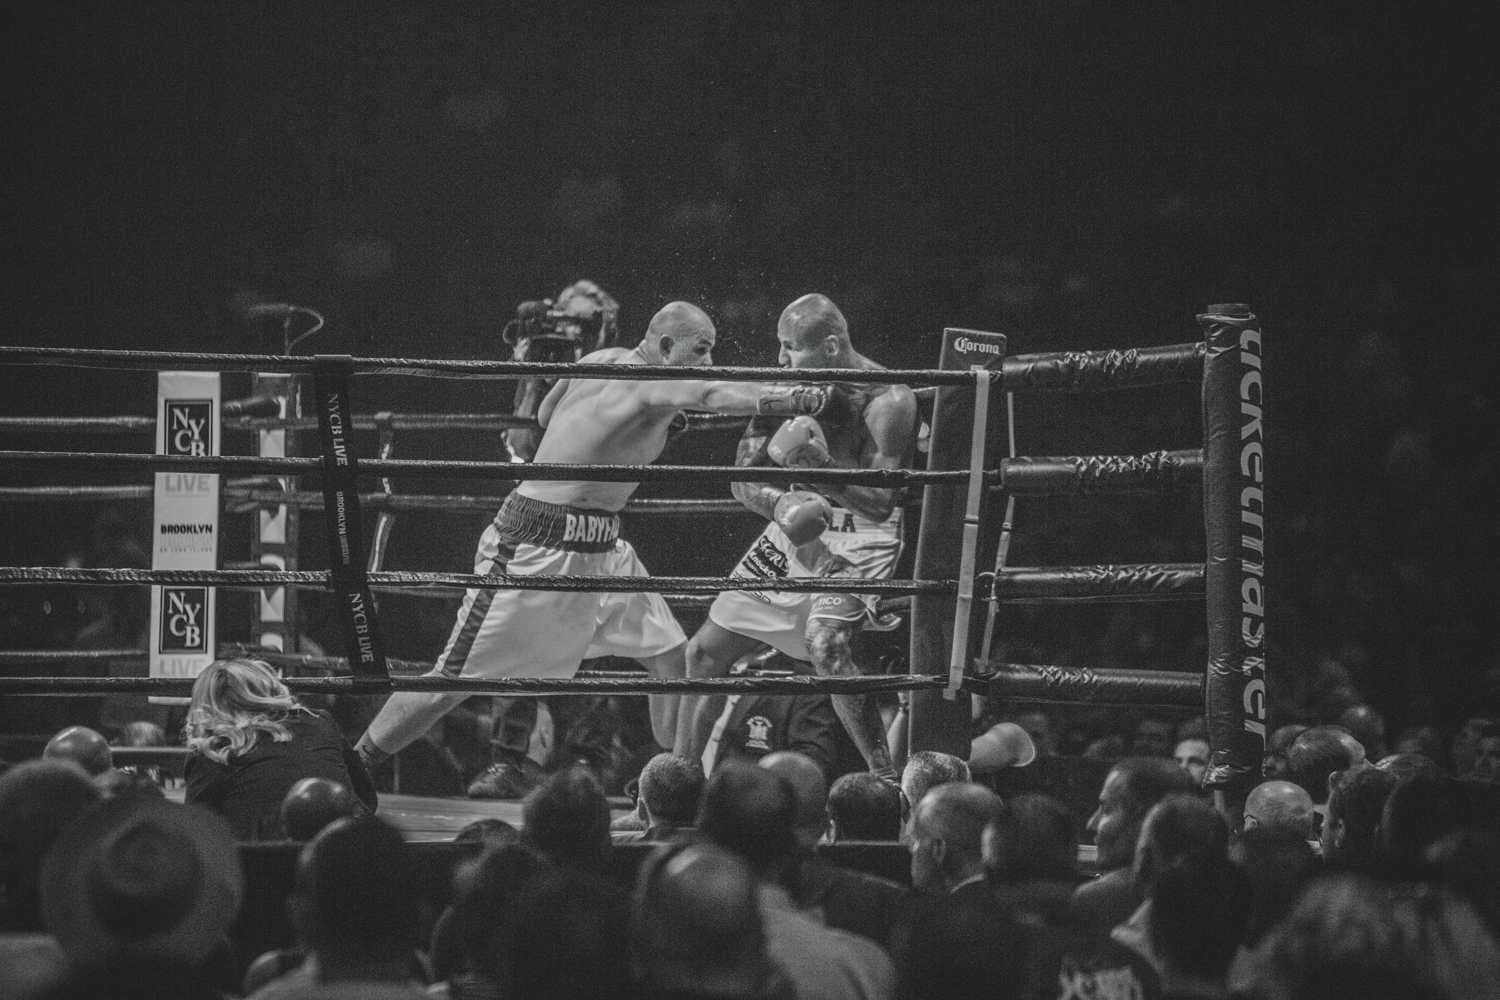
x: 829, y: 641
x: 710, y: 653
x: 665, y: 708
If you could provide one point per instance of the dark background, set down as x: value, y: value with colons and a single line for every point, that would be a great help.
x: 1075, y: 174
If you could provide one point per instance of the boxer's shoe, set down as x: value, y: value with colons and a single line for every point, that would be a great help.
x: 510, y: 778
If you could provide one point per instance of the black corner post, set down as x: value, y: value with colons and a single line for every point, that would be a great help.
x: 1234, y: 513
x: 937, y: 722
x: 346, y: 547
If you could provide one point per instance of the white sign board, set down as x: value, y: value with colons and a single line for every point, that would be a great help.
x: 185, y: 534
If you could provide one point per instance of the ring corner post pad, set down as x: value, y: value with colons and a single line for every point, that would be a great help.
x: 343, y: 525
x: 185, y: 532
x: 940, y: 720
x: 1234, y: 519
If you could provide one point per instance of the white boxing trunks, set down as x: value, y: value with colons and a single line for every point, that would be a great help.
x: 546, y: 633
x: 853, y: 546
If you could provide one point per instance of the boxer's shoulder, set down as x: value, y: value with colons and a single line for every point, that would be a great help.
x: 606, y: 356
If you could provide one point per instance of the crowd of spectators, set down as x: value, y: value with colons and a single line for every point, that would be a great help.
x: 1341, y: 876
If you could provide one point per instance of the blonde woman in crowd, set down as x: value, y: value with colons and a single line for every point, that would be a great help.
x: 251, y: 741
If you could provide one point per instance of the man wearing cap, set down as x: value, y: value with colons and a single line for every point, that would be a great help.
x: 140, y: 893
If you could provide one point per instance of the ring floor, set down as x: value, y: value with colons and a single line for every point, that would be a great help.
x: 424, y: 818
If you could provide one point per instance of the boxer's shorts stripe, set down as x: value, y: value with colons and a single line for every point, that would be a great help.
x: 454, y: 663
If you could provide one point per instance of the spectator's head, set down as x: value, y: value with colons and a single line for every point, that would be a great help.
x: 1465, y: 746
x: 567, y: 819
x: 567, y: 936
x: 1282, y: 737
x: 588, y: 301
x: 1368, y: 727
x: 1199, y: 910
x: 115, y: 782
x: 696, y: 928
x: 142, y: 733
x: 863, y: 806
x: 1132, y: 787
x: 1317, y: 754
x: 670, y: 788
x: 484, y: 889
x: 752, y: 813
x: 926, y: 769
x: 1350, y: 936
x: 140, y: 880
x: 1192, y: 756
x: 1424, y: 740
x: 1177, y: 826
x: 488, y: 831
x: 1486, y: 766
x: 83, y: 747
x: 1153, y: 737
x: 355, y: 901
x: 38, y: 799
x: 805, y: 779
x: 1418, y: 813
x: 1279, y: 864
x: 313, y: 803
x: 1280, y: 805
x: 1356, y: 803
x: 947, y: 834
x: 234, y: 703
x: 1464, y: 861
x: 1194, y: 727
x: 1032, y: 838
x: 1038, y: 726
x: 1408, y: 766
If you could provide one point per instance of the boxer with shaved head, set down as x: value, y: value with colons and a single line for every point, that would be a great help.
x: 572, y: 528
x: 822, y: 531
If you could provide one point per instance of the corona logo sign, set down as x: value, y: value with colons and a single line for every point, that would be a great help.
x: 968, y: 346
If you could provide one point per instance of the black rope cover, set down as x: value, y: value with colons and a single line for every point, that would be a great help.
x: 177, y: 686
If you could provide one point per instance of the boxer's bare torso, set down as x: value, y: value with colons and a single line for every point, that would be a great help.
x: 880, y: 435
x: 600, y: 422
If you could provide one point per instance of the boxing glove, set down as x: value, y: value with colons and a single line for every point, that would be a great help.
x: 799, y: 444
x: 829, y: 403
x: 802, y: 516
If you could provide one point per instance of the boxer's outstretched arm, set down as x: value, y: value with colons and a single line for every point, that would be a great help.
x: 737, y: 399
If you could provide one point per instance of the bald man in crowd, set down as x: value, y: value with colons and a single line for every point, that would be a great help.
x: 947, y: 834
x: 1280, y: 805
x: 818, y: 531
x: 572, y: 528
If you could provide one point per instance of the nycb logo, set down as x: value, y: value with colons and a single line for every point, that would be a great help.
x: 184, y: 626
x: 190, y: 427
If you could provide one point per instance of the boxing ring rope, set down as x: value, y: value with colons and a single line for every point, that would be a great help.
x: 1063, y: 371
x: 1230, y: 333
x: 405, y: 422
x: 1034, y: 476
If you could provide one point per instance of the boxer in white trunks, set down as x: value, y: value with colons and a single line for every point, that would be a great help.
x: 572, y: 528
x: 824, y: 531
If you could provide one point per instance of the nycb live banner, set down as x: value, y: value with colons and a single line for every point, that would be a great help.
x: 186, y: 530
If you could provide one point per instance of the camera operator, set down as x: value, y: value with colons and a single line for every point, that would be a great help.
x: 583, y: 318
